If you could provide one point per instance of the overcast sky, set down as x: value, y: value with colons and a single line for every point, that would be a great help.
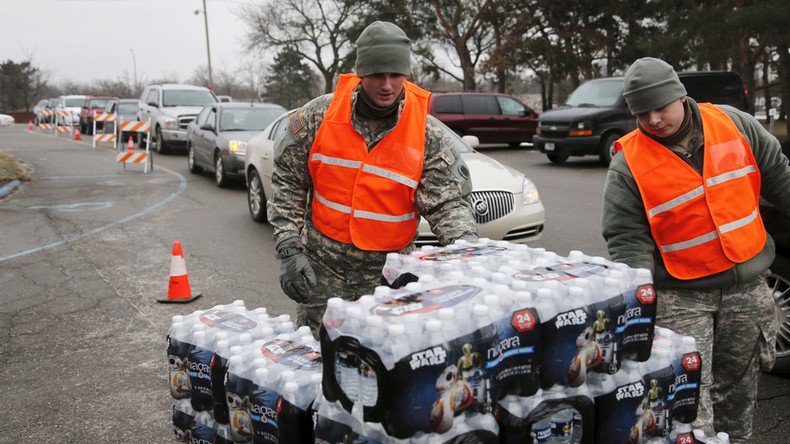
x: 84, y: 40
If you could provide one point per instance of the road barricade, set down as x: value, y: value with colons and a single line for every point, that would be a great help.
x: 134, y: 156
x: 45, y: 118
x: 63, y: 126
x: 99, y: 138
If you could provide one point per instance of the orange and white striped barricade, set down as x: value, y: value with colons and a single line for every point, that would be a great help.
x: 60, y: 118
x: 45, y: 115
x: 133, y: 126
x: 135, y: 157
x: 62, y: 129
x: 98, y: 138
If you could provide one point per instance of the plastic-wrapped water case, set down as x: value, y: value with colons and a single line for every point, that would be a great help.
x: 608, y: 307
x: 334, y: 424
x: 449, y: 349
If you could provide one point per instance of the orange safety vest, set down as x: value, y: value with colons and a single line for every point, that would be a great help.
x: 705, y: 224
x: 367, y: 197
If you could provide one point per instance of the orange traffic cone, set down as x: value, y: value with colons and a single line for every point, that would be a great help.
x: 77, y: 133
x: 130, y: 145
x: 30, y: 125
x: 178, y: 290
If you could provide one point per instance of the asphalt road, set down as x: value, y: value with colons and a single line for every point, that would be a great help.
x: 85, y: 252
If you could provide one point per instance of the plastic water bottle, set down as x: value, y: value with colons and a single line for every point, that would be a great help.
x: 562, y: 425
x: 199, y: 367
x: 177, y: 353
x: 203, y: 429
x: 399, y: 345
x: 374, y: 335
x: 451, y: 330
x: 541, y: 430
x: 183, y: 419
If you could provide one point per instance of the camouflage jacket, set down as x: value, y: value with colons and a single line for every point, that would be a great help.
x: 441, y: 195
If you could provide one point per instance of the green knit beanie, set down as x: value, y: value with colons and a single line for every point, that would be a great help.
x: 382, y: 48
x: 650, y: 84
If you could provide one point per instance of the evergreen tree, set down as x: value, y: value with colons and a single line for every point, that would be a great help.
x: 290, y: 82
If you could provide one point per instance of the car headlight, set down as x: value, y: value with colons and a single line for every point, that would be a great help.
x: 529, y: 192
x: 581, y: 129
x: 170, y: 123
x: 237, y: 147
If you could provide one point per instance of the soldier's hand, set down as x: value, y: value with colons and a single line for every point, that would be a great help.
x: 296, y: 273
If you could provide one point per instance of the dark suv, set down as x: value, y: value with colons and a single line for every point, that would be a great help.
x: 595, y: 114
x: 492, y: 117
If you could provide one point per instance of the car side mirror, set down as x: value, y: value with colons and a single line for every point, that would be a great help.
x: 472, y: 141
x: 207, y: 127
x: 152, y: 104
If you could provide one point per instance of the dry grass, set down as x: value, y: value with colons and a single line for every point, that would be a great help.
x: 11, y: 169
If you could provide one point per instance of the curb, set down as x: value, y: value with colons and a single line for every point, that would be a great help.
x: 9, y: 187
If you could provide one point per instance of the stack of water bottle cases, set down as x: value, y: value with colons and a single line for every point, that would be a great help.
x: 490, y: 342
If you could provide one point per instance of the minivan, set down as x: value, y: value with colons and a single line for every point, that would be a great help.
x: 492, y: 117
x: 595, y: 115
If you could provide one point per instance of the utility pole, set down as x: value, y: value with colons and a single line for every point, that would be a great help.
x: 134, y: 66
x: 208, y: 48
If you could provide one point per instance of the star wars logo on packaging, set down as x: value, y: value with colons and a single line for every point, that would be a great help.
x: 462, y: 253
x: 432, y: 356
x: 560, y: 272
x: 227, y: 320
x: 630, y: 391
x: 426, y: 301
x: 291, y: 354
x: 573, y: 317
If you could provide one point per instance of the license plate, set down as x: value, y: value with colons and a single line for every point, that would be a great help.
x: 549, y: 146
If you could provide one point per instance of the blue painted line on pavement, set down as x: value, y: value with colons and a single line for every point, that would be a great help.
x: 9, y: 187
x: 181, y: 187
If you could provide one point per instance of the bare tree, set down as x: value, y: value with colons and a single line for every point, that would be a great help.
x: 460, y: 30
x: 318, y: 30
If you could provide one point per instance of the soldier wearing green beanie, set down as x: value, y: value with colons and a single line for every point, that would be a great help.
x: 335, y: 180
x: 681, y: 199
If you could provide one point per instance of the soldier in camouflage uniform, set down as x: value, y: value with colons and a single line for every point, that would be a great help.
x: 315, y: 267
x: 730, y: 313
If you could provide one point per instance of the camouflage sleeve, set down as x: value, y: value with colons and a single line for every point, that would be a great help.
x: 291, y: 181
x: 444, y: 189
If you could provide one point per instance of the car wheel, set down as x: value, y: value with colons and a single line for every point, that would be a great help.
x: 557, y: 158
x: 193, y: 167
x: 160, y: 146
x: 606, y: 151
x: 83, y: 129
x: 780, y: 288
x: 219, y: 172
x: 256, y: 199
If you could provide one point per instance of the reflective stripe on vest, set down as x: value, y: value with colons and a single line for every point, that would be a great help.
x: 702, y: 224
x: 361, y: 196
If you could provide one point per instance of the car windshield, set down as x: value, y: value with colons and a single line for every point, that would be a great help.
x: 454, y: 138
x: 187, y: 97
x: 53, y: 103
x: 596, y: 93
x: 247, y: 119
x: 73, y: 103
x: 98, y: 103
x: 127, y: 108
